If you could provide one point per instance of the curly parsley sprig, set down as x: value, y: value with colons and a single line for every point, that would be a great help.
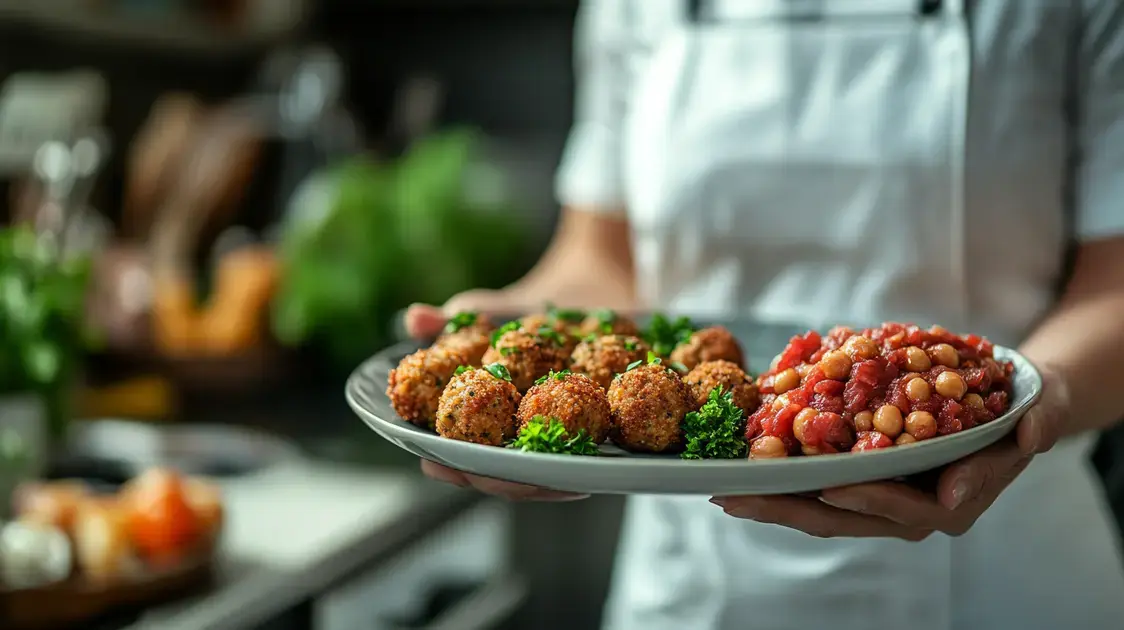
x: 717, y: 431
x: 549, y: 435
x: 558, y: 376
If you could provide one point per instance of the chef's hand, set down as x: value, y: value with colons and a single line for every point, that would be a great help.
x: 895, y: 510
x: 424, y: 322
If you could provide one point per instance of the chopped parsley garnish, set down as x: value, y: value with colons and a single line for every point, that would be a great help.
x: 653, y: 359
x: 635, y: 364
x: 566, y: 315
x: 630, y: 345
x: 461, y: 369
x: 663, y: 335
x: 558, y: 376
x: 717, y: 431
x: 507, y: 351
x: 678, y: 367
x: 499, y: 371
x: 463, y: 319
x: 548, y: 435
x: 551, y: 335
x: 590, y: 338
x: 502, y: 330
x: 605, y: 319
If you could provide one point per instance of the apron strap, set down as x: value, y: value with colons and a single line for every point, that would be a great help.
x: 925, y: 8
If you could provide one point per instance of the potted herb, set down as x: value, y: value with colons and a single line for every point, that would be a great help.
x: 42, y: 326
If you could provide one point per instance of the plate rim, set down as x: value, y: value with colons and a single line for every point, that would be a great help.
x: 403, y: 430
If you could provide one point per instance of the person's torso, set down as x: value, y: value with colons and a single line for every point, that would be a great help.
x: 866, y: 169
x: 869, y: 168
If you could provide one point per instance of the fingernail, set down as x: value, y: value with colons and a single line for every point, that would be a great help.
x: 960, y: 491
x: 1034, y: 418
x: 719, y: 501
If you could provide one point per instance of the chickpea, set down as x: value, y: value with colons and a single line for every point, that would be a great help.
x: 767, y: 447
x: 836, y: 365
x: 888, y: 421
x: 860, y: 348
x: 917, y: 390
x: 921, y: 425
x: 803, y: 369
x: 905, y: 438
x: 811, y: 451
x: 864, y: 421
x: 951, y: 385
x: 975, y: 401
x: 786, y: 381
x: 774, y: 363
x: 801, y: 422
x: 780, y: 403
x: 944, y: 354
x: 916, y: 360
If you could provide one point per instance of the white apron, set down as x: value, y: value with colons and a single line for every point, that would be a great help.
x: 854, y: 168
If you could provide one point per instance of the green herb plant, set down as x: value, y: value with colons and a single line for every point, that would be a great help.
x: 549, y: 334
x: 605, y: 319
x: 717, y: 431
x: 42, y: 318
x: 549, y: 435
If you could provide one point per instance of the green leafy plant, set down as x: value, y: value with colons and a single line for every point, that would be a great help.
x: 564, y: 315
x: 664, y: 334
x: 553, y: 336
x: 548, y: 435
x: 367, y: 237
x: 42, y: 318
x: 717, y: 431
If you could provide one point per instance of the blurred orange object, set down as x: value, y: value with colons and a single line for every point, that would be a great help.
x: 245, y: 282
x: 102, y: 545
x: 55, y: 504
x: 175, y: 316
x: 234, y: 319
x: 163, y: 525
x: 205, y: 500
x: 143, y: 397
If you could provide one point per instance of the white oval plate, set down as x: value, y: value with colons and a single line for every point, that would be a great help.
x: 619, y: 472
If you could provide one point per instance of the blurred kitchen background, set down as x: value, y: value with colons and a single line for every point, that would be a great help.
x: 213, y: 210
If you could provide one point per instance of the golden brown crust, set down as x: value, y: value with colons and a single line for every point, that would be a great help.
x: 478, y: 407
x: 604, y: 357
x: 574, y: 399
x: 414, y: 386
x: 647, y: 406
x: 592, y: 325
x: 471, y: 341
x: 526, y: 356
x: 709, y: 344
x: 710, y: 374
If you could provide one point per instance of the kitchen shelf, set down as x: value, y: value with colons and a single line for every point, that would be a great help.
x: 183, y: 34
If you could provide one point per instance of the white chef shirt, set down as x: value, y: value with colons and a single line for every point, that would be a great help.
x: 1044, y: 167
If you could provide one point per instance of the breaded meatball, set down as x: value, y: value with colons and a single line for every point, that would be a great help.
x: 468, y: 333
x: 607, y: 322
x: 542, y: 322
x: 602, y: 358
x: 709, y: 344
x: 414, y: 387
x: 478, y: 407
x: 710, y: 374
x: 647, y: 405
x: 527, y: 356
x: 574, y: 399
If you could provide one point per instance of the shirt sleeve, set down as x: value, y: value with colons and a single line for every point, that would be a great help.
x: 1100, y: 134
x: 590, y: 175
